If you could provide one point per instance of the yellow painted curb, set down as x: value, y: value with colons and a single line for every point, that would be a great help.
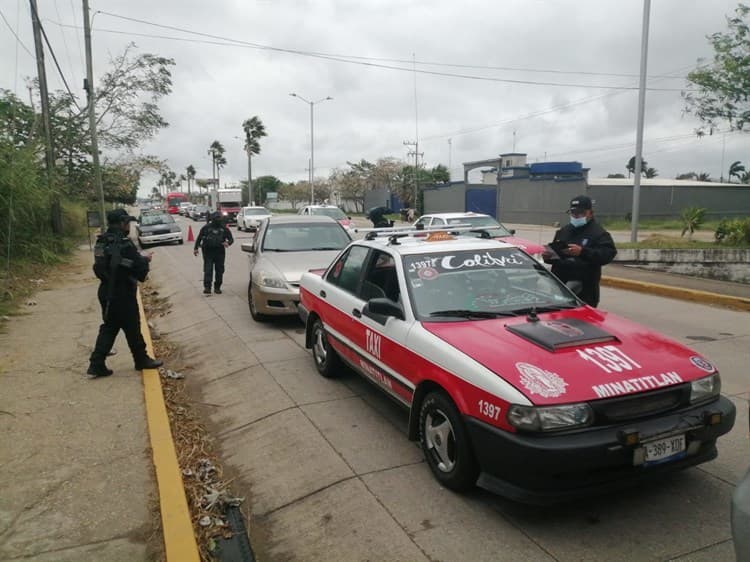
x: 179, y: 538
x: 693, y: 295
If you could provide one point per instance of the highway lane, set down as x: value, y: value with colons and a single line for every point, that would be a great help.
x: 329, y: 473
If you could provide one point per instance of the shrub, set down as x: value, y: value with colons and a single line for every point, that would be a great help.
x: 733, y: 232
x: 692, y: 219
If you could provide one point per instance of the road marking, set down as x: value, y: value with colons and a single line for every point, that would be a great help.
x: 179, y: 538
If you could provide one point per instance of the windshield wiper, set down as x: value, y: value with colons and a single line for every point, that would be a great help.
x: 276, y: 250
x: 462, y: 313
x: 323, y: 248
x: 546, y: 308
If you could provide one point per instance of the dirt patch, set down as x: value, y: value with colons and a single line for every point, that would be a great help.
x: 206, y: 487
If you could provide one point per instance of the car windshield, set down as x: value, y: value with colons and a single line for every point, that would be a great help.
x: 150, y: 220
x: 333, y: 212
x: 489, y: 223
x: 481, y: 284
x: 261, y: 211
x: 301, y: 237
x: 201, y: 208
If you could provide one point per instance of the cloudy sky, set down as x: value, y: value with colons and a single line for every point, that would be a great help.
x: 493, y: 75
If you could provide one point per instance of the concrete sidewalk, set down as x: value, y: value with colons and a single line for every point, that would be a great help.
x: 77, y: 478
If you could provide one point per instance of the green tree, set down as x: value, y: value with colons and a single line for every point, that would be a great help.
x: 254, y: 131
x: 686, y: 176
x: 736, y: 170
x: 618, y: 176
x: 262, y: 186
x: 722, y: 86
x: 651, y: 172
x: 295, y: 193
x: 703, y: 176
x: 440, y: 174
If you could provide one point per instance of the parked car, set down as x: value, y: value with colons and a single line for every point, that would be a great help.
x: 183, y: 208
x: 199, y: 212
x: 741, y: 517
x: 249, y: 218
x: 282, y: 250
x: 479, y: 220
x: 511, y: 381
x: 329, y: 211
x: 157, y: 228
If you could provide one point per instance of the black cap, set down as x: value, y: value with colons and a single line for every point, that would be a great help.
x: 580, y: 203
x: 119, y: 216
x: 216, y: 216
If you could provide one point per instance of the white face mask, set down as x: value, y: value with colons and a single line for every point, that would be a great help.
x: 578, y: 222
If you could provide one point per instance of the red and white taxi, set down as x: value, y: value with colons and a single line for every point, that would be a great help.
x: 511, y: 381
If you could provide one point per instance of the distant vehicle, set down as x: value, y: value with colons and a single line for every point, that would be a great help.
x: 479, y: 220
x: 283, y: 249
x: 228, y: 202
x: 741, y: 517
x: 249, y: 218
x: 183, y: 208
x: 199, y: 212
x: 329, y: 211
x: 157, y: 228
x: 511, y: 381
x: 173, y: 200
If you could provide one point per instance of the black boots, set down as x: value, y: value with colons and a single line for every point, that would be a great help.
x: 98, y: 370
x: 148, y: 363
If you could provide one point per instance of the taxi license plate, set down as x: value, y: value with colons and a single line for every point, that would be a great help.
x: 664, y: 450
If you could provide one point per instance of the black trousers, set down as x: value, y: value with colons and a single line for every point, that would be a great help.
x: 213, y: 261
x: 123, y: 315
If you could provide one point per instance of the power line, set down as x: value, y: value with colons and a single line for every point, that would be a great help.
x: 54, y: 57
x: 65, y: 44
x: 342, y: 58
x: 18, y: 39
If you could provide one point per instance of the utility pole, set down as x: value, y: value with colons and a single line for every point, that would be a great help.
x: 44, y: 95
x: 639, y: 128
x: 415, y: 152
x: 88, y: 85
x: 450, y: 150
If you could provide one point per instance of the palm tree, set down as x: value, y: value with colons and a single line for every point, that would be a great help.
x: 745, y: 177
x: 736, y: 170
x: 190, y: 176
x: 254, y: 131
x: 651, y: 172
x: 703, y: 176
x: 630, y: 166
x: 216, y: 150
x: 692, y: 219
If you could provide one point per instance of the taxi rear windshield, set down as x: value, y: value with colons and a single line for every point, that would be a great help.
x: 487, y: 282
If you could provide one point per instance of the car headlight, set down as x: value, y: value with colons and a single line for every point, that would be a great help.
x: 549, y: 418
x: 267, y: 279
x: 705, y: 388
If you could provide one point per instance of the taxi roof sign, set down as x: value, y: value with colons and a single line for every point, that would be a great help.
x: 439, y: 236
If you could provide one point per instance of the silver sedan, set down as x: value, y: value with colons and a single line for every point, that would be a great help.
x: 283, y: 249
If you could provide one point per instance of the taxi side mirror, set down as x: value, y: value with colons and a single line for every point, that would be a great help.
x: 512, y: 231
x: 380, y: 308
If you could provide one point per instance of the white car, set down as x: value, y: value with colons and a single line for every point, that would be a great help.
x: 184, y: 208
x: 329, y: 211
x: 249, y: 218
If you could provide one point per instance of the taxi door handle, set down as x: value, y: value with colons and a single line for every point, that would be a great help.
x: 357, y: 313
x: 323, y: 293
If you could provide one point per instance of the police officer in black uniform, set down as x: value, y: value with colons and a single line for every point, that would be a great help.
x: 214, y: 238
x: 119, y: 266
x: 581, y: 248
x: 377, y: 216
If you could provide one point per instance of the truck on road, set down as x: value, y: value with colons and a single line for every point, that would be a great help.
x: 228, y: 202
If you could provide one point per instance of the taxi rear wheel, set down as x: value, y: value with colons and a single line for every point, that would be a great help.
x: 445, y: 443
x: 326, y: 360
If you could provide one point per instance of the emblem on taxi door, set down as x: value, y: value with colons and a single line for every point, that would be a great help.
x: 538, y: 381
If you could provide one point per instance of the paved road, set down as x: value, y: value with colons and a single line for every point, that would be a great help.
x: 329, y: 473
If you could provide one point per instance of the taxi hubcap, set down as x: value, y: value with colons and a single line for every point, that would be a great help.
x: 320, y: 347
x: 438, y: 433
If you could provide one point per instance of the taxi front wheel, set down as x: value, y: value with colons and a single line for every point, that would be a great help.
x: 326, y: 361
x: 445, y: 443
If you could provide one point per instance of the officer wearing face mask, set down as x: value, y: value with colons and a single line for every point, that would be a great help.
x: 580, y: 249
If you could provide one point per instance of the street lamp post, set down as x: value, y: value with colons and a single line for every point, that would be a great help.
x: 312, y: 142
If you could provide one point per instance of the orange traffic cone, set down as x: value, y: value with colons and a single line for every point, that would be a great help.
x: 191, y: 238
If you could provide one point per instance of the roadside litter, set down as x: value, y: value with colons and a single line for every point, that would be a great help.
x: 170, y: 374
